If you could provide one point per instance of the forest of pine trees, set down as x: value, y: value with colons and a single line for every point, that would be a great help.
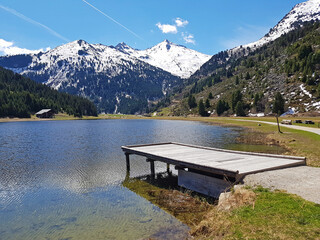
x: 21, y: 97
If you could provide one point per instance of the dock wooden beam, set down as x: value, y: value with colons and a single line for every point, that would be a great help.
x: 128, y: 161
x: 151, y: 166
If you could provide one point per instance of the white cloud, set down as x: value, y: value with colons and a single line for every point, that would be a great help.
x: 173, y: 28
x: 8, y: 48
x: 167, y: 28
x: 188, y: 38
x: 180, y: 22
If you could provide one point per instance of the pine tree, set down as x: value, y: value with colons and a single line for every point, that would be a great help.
x: 236, y: 97
x: 207, y: 103
x: 247, y: 76
x: 192, y: 101
x: 220, y: 107
x: 278, y: 104
x: 210, y: 96
x: 202, y: 110
x: 239, y: 109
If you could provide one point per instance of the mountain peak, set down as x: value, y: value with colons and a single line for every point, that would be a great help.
x: 123, y: 46
x: 300, y: 13
x: 81, y: 42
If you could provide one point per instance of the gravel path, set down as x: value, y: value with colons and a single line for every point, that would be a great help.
x: 308, y: 129
x: 303, y: 181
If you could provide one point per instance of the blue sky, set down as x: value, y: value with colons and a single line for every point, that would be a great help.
x: 208, y: 26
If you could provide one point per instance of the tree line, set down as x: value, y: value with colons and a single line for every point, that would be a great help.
x: 21, y: 97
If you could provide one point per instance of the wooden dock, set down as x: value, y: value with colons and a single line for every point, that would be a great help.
x: 209, y: 170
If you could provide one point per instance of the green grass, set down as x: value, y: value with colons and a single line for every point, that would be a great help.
x: 276, y: 215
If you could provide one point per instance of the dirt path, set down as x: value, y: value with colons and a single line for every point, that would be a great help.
x: 308, y: 129
x: 303, y: 181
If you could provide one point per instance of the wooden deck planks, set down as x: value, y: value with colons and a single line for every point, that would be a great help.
x: 213, y: 160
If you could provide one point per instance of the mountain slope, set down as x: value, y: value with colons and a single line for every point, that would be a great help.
x: 289, y: 65
x: 115, y: 81
x: 20, y: 96
x: 300, y: 14
x: 173, y: 58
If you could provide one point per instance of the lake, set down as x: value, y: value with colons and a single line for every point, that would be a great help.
x: 62, y: 179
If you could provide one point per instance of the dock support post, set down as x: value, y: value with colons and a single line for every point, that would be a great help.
x: 128, y: 162
x: 168, y: 168
x: 151, y: 167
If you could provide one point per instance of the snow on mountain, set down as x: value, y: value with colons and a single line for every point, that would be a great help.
x: 63, y: 60
x: 173, y: 58
x: 300, y: 13
x: 104, y: 74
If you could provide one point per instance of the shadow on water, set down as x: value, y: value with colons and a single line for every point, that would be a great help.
x: 163, y: 191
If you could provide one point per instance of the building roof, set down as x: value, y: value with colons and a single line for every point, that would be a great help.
x: 43, y: 111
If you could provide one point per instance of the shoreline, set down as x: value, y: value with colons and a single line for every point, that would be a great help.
x: 296, y: 141
x: 204, y: 219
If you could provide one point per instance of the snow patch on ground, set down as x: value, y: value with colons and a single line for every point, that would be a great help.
x: 303, y: 89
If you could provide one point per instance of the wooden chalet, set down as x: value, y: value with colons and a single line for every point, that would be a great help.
x: 45, y: 113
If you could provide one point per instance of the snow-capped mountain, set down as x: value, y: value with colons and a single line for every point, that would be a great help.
x: 116, y: 81
x: 300, y: 13
x: 173, y: 58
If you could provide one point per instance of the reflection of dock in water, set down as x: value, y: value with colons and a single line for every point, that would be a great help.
x: 209, y: 171
x: 163, y: 191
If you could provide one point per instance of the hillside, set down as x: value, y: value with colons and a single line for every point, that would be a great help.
x: 299, y: 15
x: 117, y: 79
x: 20, y: 97
x: 289, y: 65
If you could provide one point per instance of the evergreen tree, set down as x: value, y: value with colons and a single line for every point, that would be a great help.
x: 202, y: 110
x: 210, y: 95
x: 207, y: 103
x: 247, y: 76
x: 304, y: 51
x: 236, y: 97
x: 192, y: 101
x: 239, y: 109
x: 221, y: 107
x: 278, y: 104
x: 318, y: 90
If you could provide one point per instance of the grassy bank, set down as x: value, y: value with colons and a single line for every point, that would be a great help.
x: 296, y: 142
x: 274, y: 215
